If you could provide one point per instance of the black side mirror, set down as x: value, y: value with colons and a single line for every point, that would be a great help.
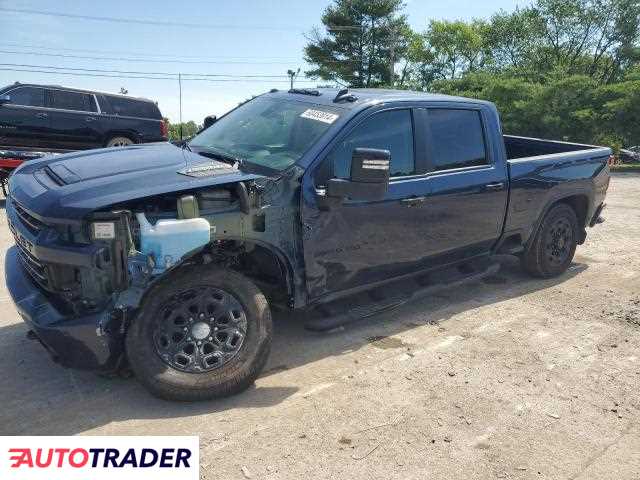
x: 5, y: 99
x: 208, y: 121
x: 369, y: 176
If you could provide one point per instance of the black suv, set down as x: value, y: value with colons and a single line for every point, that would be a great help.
x: 48, y: 117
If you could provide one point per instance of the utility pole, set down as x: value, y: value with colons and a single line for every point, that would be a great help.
x: 292, y: 76
x: 180, y: 86
x: 392, y: 54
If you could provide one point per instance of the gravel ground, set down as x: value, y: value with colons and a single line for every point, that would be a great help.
x: 506, y: 378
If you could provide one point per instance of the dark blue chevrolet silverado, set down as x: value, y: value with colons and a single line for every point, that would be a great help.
x: 343, y: 203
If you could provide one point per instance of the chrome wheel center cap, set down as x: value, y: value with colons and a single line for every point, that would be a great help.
x: 200, y: 330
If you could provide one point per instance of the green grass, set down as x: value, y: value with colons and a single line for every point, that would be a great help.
x: 632, y: 167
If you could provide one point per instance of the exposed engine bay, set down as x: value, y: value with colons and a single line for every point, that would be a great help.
x: 145, y: 239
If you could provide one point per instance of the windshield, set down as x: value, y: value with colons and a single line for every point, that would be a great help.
x: 268, y: 132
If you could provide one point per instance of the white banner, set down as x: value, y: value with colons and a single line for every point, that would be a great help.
x: 98, y: 458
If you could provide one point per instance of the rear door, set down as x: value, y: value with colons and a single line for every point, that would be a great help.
x: 138, y: 119
x: 74, y: 118
x: 24, y: 120
x: 464, y: 212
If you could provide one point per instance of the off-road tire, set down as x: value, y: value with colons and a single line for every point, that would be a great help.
x: 169, y: 383
x: 538, y: 260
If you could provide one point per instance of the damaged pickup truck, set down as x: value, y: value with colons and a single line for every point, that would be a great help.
x: 344, y: 203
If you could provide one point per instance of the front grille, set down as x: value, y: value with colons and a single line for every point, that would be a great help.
x: 36, y: 269
x: 34, y: 225
x: 32, y: 265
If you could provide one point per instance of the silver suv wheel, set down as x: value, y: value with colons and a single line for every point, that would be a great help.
x: 119, y: 142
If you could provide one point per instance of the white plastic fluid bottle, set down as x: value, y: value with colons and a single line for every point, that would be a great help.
x: 169, y: 240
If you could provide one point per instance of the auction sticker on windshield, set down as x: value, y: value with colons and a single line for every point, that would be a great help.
x: 319, y: 115
x: 99, y: 458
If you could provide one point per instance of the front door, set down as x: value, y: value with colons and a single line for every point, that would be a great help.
x: 353, y: 243
x: 23, y: 121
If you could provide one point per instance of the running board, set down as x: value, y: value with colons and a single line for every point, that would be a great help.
x: 341, y: 312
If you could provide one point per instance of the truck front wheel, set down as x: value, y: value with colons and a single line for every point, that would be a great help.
x: 203, y: 333
x: 554, y: 245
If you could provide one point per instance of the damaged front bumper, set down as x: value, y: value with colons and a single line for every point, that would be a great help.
x: 91, y: 342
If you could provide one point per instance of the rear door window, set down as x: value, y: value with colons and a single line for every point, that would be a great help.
x: 457, y: 139
x: 66, y: 100
x: 129, y: 107
x: 27, y: 96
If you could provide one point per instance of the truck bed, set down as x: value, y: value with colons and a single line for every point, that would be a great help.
x: 541, y: 171
x: 524, y: 147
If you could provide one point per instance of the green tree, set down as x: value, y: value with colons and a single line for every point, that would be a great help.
x: 457, y: 47
x: 620, y: 111
x: 591, y: 37
x: 549, y: 40
x: 512, y: 96
x: 361, y: 43
x: 557, y: 69
x: 514, y: 39
x: 447, y: 50
x: 189, y: 129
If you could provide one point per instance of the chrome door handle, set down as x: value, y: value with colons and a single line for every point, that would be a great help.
x: 494, y: 187
x: 90, y: 119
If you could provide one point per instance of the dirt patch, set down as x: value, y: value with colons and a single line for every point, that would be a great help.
x: 628, y: 313
x: 523, y: 379
x: 386, y: 343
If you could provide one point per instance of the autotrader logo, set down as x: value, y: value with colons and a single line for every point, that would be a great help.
x: 70, y: 458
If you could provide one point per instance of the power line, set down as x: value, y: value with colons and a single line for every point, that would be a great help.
x: 145, y: 54
x: 150, y: 60
x: 157, y: 23
x: 143, y: 60
x: 132, y: 72
x: 165, y: 23
x: 173, y: 78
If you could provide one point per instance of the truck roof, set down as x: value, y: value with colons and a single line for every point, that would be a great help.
x: 74, y: 89
x: 365, y: 97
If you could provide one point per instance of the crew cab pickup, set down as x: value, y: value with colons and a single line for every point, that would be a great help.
x: 167, y: 258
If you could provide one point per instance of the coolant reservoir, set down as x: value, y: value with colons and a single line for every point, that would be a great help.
x: 169, y: 240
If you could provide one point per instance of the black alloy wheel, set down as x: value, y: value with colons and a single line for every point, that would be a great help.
x: 552, y: 248
x: 199, y: 329
x: 202, y: 332
x: 558, y: 241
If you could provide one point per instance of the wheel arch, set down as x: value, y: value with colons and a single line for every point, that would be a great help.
x: 251, y: 254
x: 579, y: 202
x: 133, y: 136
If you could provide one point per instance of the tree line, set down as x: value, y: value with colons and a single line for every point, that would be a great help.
x: 567, y: 69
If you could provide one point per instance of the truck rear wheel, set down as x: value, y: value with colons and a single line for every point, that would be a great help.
x: 204, y: 333
x: 554, y: 245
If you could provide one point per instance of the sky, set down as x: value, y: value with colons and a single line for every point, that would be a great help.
x: 215, y: 37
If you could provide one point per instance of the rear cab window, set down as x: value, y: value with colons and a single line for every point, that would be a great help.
x: 457, y: 139
x: 129, y: 107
